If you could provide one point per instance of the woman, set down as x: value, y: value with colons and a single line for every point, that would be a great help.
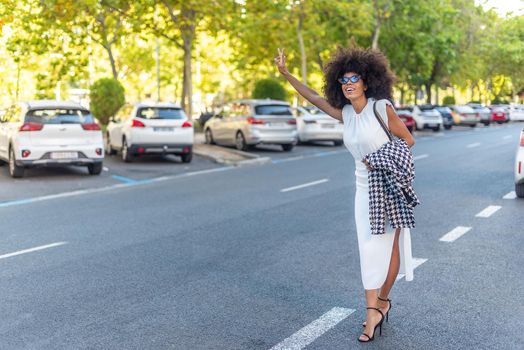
x: 354, y: 80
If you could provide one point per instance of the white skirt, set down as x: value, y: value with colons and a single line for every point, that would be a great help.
x: 375, y: 250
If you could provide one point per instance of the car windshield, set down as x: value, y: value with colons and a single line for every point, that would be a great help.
x: 314, y: 110
x: 59, y: 116
x: 444, y: 109
x: 160, y: 113
x: 426, y: 108
x: 464, y: 109
x: 273, y: 110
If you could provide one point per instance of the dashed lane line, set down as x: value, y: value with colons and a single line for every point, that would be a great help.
x: 304, y: 185
x: 315, y: 329
x: 454, y: 234
x: 510, y: 195
x: 472, y: 145
x: 488, y: 211
x: 422, y: 156
x: 416, y: 263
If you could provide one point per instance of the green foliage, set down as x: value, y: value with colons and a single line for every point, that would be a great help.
x: 499, y: 101
x: 107, y: 96
x: 269, y: 88
x: 448, y: 100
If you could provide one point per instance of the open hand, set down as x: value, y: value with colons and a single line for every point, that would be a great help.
x: 280, y: 61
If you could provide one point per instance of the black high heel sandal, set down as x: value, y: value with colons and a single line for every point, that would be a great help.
x: 379, y: 324
x: 387, y: 313
x: 389, y: 309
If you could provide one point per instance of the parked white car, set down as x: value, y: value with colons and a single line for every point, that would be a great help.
x: 427, y: 117
x: 50, y: 133
x: 516, y: 113
x: 315, y: 125
x: 150, y: 128
x: 519, y: 168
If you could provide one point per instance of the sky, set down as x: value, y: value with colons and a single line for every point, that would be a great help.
x: 504, y: 6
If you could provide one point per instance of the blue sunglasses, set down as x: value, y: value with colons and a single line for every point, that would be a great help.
x: 344, y: 80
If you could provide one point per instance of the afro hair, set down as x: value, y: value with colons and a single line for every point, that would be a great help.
x: 372, y: 65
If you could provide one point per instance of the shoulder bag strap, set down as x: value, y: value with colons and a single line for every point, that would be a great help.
x: 381, y: 121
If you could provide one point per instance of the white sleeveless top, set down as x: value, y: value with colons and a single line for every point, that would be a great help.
x: 363, y: 133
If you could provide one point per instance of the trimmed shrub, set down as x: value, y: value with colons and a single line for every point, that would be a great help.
x: 448, y: 100
x: 107, y: 96
x: 269, y: 88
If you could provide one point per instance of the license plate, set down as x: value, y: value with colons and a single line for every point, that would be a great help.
x: 432, y: 125
x: 163, y: 129
x: 328, y: 126
x: 276, y: 124
x: 64, y: 155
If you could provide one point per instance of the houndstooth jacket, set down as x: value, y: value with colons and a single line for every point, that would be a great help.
x: 391, y: 193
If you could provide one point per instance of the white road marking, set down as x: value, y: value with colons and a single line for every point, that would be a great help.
x: 454, y: 234
x: 507, y: 137
x: 490, y: 210
x: 422, y: 156
x: 105, y: 168
x: 315, y: 329
x: 416, y: 263
x: 510, y: 195
x: 304, y: 185
x: 471, y: 145
x: 110, y: 188
x: 30, y: 250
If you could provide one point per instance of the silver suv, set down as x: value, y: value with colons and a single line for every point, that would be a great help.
x: 245, y: 123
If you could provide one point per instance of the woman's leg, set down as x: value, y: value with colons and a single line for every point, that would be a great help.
x: 394, y: 266
x: 372, y: 316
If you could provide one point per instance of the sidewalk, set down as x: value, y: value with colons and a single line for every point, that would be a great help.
x: 226, y: 155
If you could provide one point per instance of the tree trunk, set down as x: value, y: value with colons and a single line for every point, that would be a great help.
x: 112, y: 60
x: 376, y: 34
x: 402, y: 94
x: 428, y: 92
x: 187, y: 89
x: 303, y: 58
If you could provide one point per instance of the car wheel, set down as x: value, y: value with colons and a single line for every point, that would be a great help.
x: 499, y: 122
x: 187, y: 157
x: 2, y: 162
x: 126, y: 156
x: 109, y: 150
x: 240, y: 142
x: 519, y: 190
x: 436, y: 129
x: 209, y: 137
x: 486, y: 123
x: 473, y: 125
x: 95, y: 168
x: 288, y: 147
x: 15, y: 170
x: 338, y: 143
x: 447, y: 127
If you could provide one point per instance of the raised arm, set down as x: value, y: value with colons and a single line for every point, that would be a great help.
x: 309, y: 94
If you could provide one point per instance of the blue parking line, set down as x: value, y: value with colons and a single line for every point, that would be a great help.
x: 124, y: 179
x: 16, y: 202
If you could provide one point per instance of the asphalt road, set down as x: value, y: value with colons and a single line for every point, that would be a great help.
x: 241, y: 258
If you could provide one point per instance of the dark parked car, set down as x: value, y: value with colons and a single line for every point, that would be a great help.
x: 447, y: 117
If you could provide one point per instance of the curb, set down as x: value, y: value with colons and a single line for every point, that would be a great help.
x: 230, y: 156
